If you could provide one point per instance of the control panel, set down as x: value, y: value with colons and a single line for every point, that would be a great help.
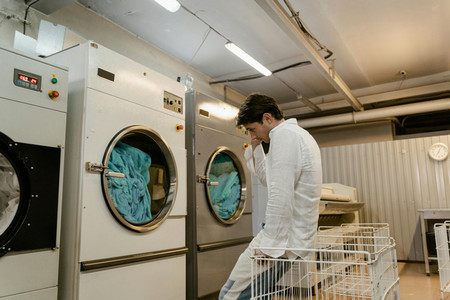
x: 33, y: 82
x: 173, y: 102
x: 27, y: 80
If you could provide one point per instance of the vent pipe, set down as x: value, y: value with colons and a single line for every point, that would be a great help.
x: 377, y: 114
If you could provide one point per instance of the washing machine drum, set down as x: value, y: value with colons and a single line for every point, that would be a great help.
x: 226, y: 188
x: 139, y: 178
x: 29, y: 190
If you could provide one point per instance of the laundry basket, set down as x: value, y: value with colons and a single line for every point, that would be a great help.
x: 356, y: 229
x: 370, y: 229
x: 442, y: 231
x: 357, y: 268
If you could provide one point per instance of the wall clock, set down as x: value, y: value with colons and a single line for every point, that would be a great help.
x: 438, y: 151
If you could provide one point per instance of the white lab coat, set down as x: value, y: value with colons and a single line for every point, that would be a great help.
x: 292, y: 172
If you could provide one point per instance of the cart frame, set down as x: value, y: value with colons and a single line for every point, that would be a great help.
x: 349, y: 262
x: 441, y: 232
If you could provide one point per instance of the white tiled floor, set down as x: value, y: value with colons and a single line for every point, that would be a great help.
x: 416, y: 285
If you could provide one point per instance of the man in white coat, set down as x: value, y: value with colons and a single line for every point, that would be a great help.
x: 292, y: 172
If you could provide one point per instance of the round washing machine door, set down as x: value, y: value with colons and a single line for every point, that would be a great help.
x: 13, y: 200
x: 226, y: 186
x: 29, y: 193
x: 140, y: 178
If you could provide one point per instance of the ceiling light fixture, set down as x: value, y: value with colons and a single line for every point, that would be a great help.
x: 170, y: 5
x: 247, y: 58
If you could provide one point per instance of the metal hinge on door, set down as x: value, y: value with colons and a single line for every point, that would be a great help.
x: 205, y: 179
x: 93, y: 167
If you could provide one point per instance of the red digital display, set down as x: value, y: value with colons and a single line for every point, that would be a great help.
x: 28, y: 79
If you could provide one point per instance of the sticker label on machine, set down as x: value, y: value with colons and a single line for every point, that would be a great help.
x: 27, y: 80
x: 173, y: 102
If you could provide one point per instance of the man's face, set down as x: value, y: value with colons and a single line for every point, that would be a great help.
x: 258, y: 131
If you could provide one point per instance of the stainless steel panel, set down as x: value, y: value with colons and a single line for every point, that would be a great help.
x: 208, y: 228
x: 206, y: 131
x: 394, y: 179
x: 213, y: 113
x: 214, y: 268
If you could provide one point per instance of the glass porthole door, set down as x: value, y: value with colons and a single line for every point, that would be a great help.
x: 139, y: 178
x: 29, y: 195
x: 14, y: 193
x: 226, y: 188
x: 9, y: 199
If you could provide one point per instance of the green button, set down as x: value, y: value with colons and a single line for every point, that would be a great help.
x: 54, y: 80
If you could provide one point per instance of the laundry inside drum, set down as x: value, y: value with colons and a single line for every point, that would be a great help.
x: 130, y: 194
x: 225, y: 186
x: 9, y: 193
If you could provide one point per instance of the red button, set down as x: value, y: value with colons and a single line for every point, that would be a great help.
x: 53, y: 94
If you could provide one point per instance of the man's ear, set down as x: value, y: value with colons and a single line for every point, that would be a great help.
x: 267, y: 117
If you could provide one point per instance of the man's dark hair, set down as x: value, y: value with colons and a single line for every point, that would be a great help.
x: 255, y: 106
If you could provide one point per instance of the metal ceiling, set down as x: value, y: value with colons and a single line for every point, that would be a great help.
x: 383, y: 50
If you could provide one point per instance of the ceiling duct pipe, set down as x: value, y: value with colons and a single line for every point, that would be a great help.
x: 277, y: 13
x: 377, y: 114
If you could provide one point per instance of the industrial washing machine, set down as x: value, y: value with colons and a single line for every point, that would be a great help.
x: 33, y: 104
x: 219, y: 223
x: 123, y: 230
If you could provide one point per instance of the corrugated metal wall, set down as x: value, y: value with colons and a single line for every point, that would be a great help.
x: 394, y: 179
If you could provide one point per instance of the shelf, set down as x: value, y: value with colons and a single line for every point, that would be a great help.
x: 425, y: 215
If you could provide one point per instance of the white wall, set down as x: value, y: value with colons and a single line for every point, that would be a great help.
x: 350, y: 134
x: 83, y: 24
x: 394, y: 179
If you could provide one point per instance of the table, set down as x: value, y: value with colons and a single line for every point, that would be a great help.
x: 425, y: 215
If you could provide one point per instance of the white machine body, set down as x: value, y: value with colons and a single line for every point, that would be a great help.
x: 32, y: 124
x: 103, y: 255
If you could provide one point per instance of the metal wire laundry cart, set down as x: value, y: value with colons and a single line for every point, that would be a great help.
x: 441, y: 232
x: 356, y: 229
x: 368, y: 229
x: 341, y: 267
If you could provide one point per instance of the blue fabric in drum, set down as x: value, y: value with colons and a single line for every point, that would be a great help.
x: 130, y: 195
x: 225, y: 197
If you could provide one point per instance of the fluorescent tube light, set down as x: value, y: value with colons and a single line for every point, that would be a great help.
x: 247, y: 58
x: 170, y: 5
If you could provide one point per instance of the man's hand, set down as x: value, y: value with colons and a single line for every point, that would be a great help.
x: 255, y: 142
x: 259, y: 253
